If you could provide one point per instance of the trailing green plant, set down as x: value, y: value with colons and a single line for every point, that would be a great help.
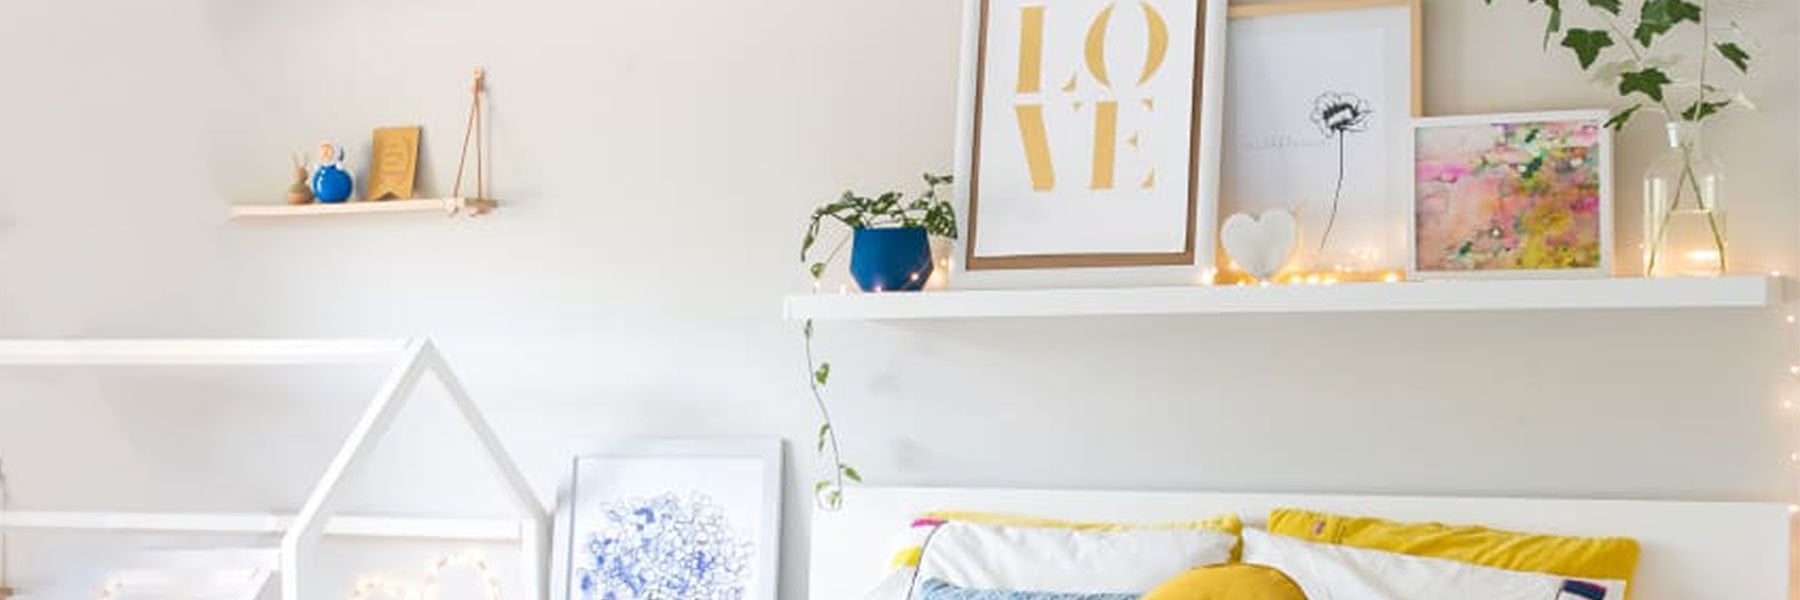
x: 1639, y: 64
x: 1631, y: 54
x: 930, y: 211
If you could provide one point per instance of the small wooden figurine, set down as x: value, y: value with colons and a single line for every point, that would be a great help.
x: 298, y: 193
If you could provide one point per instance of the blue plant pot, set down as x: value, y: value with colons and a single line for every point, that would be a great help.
x: 891, y: 259
x: 332, y: 185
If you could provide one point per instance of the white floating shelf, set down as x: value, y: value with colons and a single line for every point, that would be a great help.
x: 471, y: 530
x: 1433, y: 296
x: 447, y: 206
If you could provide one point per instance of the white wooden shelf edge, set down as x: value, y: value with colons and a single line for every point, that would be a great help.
x: 447, y: 206
x: 476, y: 530
x: 1431, y: 296
x: 51, y: 352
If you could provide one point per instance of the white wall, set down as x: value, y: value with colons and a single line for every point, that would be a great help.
x: 657, y: 159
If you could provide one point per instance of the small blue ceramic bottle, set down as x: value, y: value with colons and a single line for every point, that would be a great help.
x: 332, y: 182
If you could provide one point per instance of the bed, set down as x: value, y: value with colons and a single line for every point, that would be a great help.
x: 1691, y: 550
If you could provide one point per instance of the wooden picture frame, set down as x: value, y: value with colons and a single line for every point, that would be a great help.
x: 393, y: 163
x: 1587, y: 178
x: 1040, y: 185
x: 1346, y: 182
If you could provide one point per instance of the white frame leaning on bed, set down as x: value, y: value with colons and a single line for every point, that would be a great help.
x: 769, y: 452
x: 1691, y: 550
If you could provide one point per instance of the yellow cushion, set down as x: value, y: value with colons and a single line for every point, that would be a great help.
x: 1229, y: 582
x: 1585, y: 558
x: 909, y: 557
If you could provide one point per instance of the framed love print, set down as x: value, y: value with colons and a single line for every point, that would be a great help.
x: 1089, y: 141
x: 1521, y: 195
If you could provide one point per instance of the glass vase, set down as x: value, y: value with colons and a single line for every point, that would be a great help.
x: 1684, y: 223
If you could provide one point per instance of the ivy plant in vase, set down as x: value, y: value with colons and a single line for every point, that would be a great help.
x: 1633, y: 49
x: 890, y: 252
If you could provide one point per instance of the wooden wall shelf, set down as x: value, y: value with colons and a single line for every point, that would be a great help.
x: 473, y: 207
x: 1737, y: 292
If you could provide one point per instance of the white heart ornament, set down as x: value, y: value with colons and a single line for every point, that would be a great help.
x: 1261, y: 246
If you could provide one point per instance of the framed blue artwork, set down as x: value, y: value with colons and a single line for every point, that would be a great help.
x: 663, y: 519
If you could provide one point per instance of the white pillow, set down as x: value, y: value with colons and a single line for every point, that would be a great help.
x: 1333, y: 572
x: 1042, y: 559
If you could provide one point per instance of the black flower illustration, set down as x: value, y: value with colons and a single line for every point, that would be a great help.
x: 1338, y: 115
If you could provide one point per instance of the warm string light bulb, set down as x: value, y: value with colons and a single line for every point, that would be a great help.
x: 110, y: 590
x: 383, y: 587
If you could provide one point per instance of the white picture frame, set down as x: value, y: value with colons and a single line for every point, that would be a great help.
x: 1348, y: 182
x: 743, y: 476
x: 973, y: 266
x: 1594, y: 119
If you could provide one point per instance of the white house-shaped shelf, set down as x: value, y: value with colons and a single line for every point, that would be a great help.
x: 412, y: 360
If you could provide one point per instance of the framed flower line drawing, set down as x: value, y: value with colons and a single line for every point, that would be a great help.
x: 1526, y: 195
x: 649, y: 519
x: 1088, y: 145
x: 1320, y: 99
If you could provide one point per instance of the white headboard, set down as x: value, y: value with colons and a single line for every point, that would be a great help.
x: 1691, y: 550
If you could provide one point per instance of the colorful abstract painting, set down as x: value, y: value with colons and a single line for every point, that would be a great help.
x: 1507, y: 196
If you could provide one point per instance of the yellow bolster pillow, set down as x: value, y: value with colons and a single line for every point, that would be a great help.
x: 1585, y: 558
x: 1229, y: 582
x: 909, y: 556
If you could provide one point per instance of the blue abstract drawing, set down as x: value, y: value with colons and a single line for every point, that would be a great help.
x: 667, y: 547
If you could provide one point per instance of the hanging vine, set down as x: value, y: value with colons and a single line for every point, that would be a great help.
x: 938, y: 217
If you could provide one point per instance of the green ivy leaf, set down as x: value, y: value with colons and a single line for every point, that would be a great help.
x: 1702, y: 109
x: 1587, y: 44
x: 1555, y: 23
x: 824, y: 436
x: 823, y: 374
x: 1648, y: 82
x: 851, y: 474
x: 820, y: 486
x: 817, y: 269
x: 1618, y: 121
x: 1659, y: 16
x: 1611, y: 6
x: 1736, y: 54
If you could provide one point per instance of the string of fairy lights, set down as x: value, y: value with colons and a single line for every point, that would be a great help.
x: 385, y: 587
x: 390, y: 587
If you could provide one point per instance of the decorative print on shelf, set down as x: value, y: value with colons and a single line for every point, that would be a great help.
x: 1260, y: 246
x: 1086, y: 139
x: 332, y: 182
x: 1317, y: 119
x: 1338, y: 116
x: 1513, y: 195
x: 891, y: 252
x: 668, y: 546
x: 300, y: 192
x: 661, y: 519
x: 1684, y: 224
x: 395, y: 163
